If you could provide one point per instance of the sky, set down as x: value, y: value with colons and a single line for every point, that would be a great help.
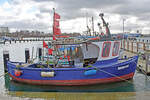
x: 75, y: 14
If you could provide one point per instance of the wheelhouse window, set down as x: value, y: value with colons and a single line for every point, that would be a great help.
x: 106, y: 49
x: 116, y: 48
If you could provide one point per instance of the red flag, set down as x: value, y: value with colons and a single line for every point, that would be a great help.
x: 50, y: 51
x: 56, y: 23
x: 56, y: 16
x: 57, y: 31
x: 45, y: 44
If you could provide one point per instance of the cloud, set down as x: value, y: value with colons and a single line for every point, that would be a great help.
x: 27, y: 25
x: 29, y: 14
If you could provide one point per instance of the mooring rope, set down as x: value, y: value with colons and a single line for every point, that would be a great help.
x: 112, y: 75
x: 143, y: 71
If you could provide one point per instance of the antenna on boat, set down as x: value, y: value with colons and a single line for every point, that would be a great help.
x: 105, y: 24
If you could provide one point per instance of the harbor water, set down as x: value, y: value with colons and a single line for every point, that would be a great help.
x: 135, y: 89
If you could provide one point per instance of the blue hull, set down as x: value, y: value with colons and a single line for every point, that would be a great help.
x: 99, y: 73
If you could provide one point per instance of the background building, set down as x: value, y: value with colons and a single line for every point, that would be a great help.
x: 4, y: 30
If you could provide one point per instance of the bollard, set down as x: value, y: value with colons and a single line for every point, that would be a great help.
x: 5, y: 59
x: 40, y: 53
x: 27, y: 55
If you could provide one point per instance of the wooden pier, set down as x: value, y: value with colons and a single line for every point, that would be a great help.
x: 142, y: 49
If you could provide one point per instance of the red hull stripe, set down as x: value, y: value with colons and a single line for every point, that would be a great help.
x: 74, y: 82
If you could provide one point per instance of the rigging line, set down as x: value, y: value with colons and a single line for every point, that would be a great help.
x: 145, y: 75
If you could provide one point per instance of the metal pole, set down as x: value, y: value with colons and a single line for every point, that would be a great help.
x: 93, y: 25
x: 123, y: 25
x: 53, y: 22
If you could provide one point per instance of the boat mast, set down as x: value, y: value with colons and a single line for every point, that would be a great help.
x: 93, y: 25
x: 53, y: 23
x: 55, y: 60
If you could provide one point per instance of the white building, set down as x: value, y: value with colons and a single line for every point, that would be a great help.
x: 4, y: 30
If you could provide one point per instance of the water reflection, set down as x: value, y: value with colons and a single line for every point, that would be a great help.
x: 130, y: 90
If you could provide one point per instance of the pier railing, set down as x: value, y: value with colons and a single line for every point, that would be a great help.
x: 134, y: 46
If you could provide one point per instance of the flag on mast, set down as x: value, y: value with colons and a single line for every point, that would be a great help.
x: 45, y: 44
x: 56, y: 29
x: 56, y: 16
x: 56, y: 23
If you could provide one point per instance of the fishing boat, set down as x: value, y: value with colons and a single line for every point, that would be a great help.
x: 71, y: 61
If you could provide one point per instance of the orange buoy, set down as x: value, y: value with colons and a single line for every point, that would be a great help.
x: 18, y: 73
